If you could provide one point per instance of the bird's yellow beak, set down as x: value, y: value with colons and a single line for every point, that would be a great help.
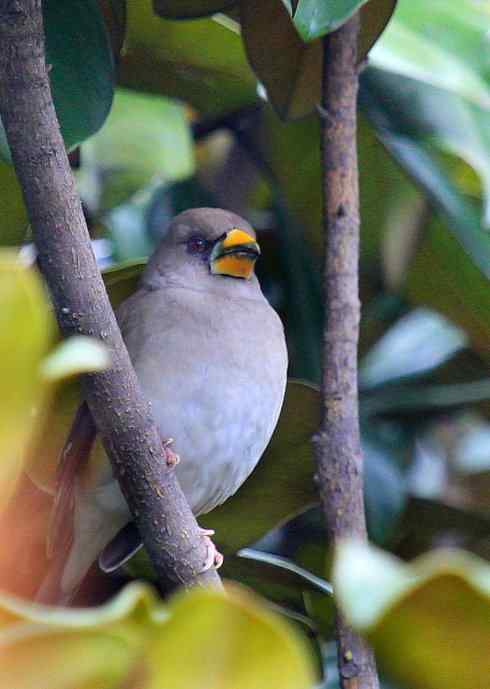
x: 235, y: 255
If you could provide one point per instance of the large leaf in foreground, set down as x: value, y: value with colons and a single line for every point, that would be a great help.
x: 202, y: 638
x: 429, y: 622
x: 26, y: 332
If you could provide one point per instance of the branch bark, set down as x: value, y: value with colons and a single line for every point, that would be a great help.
x: 123, y: 417
x: 337, y: 444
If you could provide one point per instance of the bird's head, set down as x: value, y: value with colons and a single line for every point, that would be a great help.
x: 205, y: 244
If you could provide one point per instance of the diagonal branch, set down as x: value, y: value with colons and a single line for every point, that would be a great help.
x: 337, y: 445
x: 165, y: 521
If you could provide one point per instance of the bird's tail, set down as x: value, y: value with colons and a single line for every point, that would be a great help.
x: 93, y: 529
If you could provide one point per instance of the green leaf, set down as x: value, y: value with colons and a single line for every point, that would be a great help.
x: 202, y: 638
x: 315, y: 18
x: 200, y: 62
x: 26, y: 332
x: 436, y: 73
x: 429, y: 622
x: 122, y: 280
x: 289, y: 69
x: 225, y: 642
x: 276, y: 578
x: 190, y: 9
x: 157, y: 147
x: 13, y: 212
x: 445, y: 277
x: 444, y: 46
x: 417, y: 343
x: 78, y: 354
x: 81, y: 68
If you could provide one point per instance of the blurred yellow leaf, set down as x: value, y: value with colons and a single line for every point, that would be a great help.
x: 429, y: 622
x: 26, y: 333
x: 202, y: 638
x: 227, y: 642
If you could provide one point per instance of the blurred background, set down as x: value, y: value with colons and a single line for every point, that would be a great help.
x: 189, y: 127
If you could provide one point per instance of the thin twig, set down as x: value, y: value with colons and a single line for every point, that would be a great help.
x: 123, y: 417
x: 337, y: 444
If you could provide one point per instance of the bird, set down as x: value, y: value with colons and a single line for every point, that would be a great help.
x: 210, y: 355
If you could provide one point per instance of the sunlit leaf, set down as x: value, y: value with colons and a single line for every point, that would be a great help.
x: 429, y: 622
x: 26, y: 332
x: 81, y: 68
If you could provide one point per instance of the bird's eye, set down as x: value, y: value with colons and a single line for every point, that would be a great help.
x: 196, y: 244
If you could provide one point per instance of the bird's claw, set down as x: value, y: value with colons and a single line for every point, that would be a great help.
x: 171, y: 457
x: 214, y: 559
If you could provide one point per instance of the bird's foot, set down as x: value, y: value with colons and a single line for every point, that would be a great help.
x: 213, y: 558
x: 171, y: 458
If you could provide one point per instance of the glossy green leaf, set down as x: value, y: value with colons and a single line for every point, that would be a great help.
x: 200, y: 62
x: 289, y: 69
x: 225, y: 642
x: 78, y: 354
x: 429, y: 622
x: 26, y: 333
x: 444, y: 45
x: 82, y: 68
x: 190, y: 9
x: 436, y: 75
x: 144, y: 140
x: 314, y: 18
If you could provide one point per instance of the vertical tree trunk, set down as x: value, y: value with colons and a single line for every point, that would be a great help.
x: 337, y: 444
x: 122, y: 415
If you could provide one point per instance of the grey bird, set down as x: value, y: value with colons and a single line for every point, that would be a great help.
x: 210, y: 354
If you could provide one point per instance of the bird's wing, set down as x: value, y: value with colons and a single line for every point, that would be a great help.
x: 74, y: 458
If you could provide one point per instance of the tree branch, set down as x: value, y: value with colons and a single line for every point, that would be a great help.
x: 337, y: 445
x: 123, y: 417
